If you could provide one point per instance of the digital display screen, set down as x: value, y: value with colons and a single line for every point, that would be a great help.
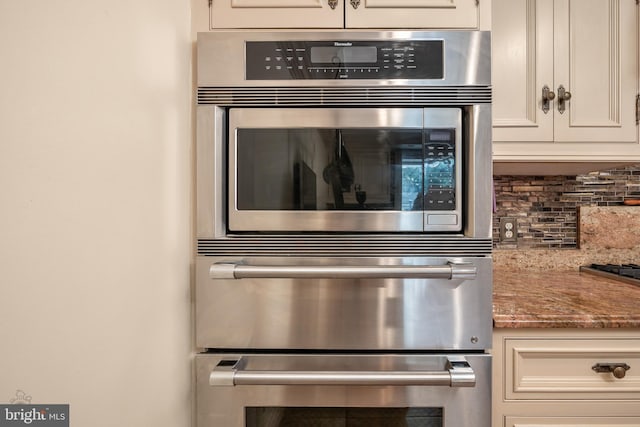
x: 344, y: 54
x: 444, y: 135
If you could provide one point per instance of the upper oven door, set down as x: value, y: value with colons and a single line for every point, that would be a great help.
x: 345, y: 169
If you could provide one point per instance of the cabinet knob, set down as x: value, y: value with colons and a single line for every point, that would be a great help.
x: 563, y: 95
x: 332, y: 3
x: 547, y: 96
x: 618, y: 370
x: 355, y: 3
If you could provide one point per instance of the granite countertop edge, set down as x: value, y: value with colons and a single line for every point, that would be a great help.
x: 521, y: 322
x: 563, y: 299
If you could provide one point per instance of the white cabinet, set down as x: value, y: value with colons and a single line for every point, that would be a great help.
x: 549, y: 377
x: 412, y: 14
x: 586, y: 49
x: 276, y: 14
x: 311, y: 14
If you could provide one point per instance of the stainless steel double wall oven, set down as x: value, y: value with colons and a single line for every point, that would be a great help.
x: 344, y: 198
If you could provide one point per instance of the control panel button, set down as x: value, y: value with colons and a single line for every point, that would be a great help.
x: 445, y: 219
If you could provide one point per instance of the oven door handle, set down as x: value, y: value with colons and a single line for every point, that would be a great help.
x: 450, y: 271
x: 457, y: 373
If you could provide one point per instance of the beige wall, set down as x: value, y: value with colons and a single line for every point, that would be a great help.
x: 95, y: 208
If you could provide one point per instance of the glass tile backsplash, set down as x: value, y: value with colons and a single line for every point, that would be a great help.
x: 546, y: 207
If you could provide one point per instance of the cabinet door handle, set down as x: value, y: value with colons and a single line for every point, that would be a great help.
x: 332, y: 3
x: 563, y: 95
x: 618, y: 370
x: 355, y: 3
x: 547, y: 96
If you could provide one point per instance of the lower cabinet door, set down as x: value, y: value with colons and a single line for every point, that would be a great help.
x: 567, y: 369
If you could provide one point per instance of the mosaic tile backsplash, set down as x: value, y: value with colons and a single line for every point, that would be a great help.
x: 546, y: 207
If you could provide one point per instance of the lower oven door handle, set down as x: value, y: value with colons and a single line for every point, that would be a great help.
x: 451, y: 271
x: 457, y: 374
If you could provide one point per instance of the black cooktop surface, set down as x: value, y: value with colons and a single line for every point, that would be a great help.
x: 629, y: 273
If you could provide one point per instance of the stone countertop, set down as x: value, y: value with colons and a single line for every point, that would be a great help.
x: 563, y: 299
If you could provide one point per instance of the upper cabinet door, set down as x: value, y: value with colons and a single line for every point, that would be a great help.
x: 522, y: 47
x: 596, y: 63
x: 412, y: 14
x: 586, y: 53
x: 277, y: 14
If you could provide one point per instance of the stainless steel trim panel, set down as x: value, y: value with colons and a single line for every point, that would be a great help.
x: 353, y: 118
x: 352, y: 96
x: 466, y: 57
x: 479, y: 173
x: 346, y: 245
x: 211, y: 170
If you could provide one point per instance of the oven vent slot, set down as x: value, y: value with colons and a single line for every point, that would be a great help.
x: 248, y: 246
x: 333, y: 96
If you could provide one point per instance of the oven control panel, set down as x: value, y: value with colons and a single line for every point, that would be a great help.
x: 311, y: 60
x: 440, y: 169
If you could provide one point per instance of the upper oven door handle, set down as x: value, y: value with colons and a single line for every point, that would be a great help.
x: 457, y: 373
x: 451, y: 271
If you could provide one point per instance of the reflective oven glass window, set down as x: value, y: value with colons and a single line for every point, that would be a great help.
x: 345, y: 169
x: 343, y: 417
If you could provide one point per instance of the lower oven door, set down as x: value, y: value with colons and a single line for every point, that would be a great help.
x: 343, y: 303
x: 344, y: 390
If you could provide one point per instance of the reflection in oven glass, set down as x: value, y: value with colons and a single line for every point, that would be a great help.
x: 329, y: 169
x: 343, y: 417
